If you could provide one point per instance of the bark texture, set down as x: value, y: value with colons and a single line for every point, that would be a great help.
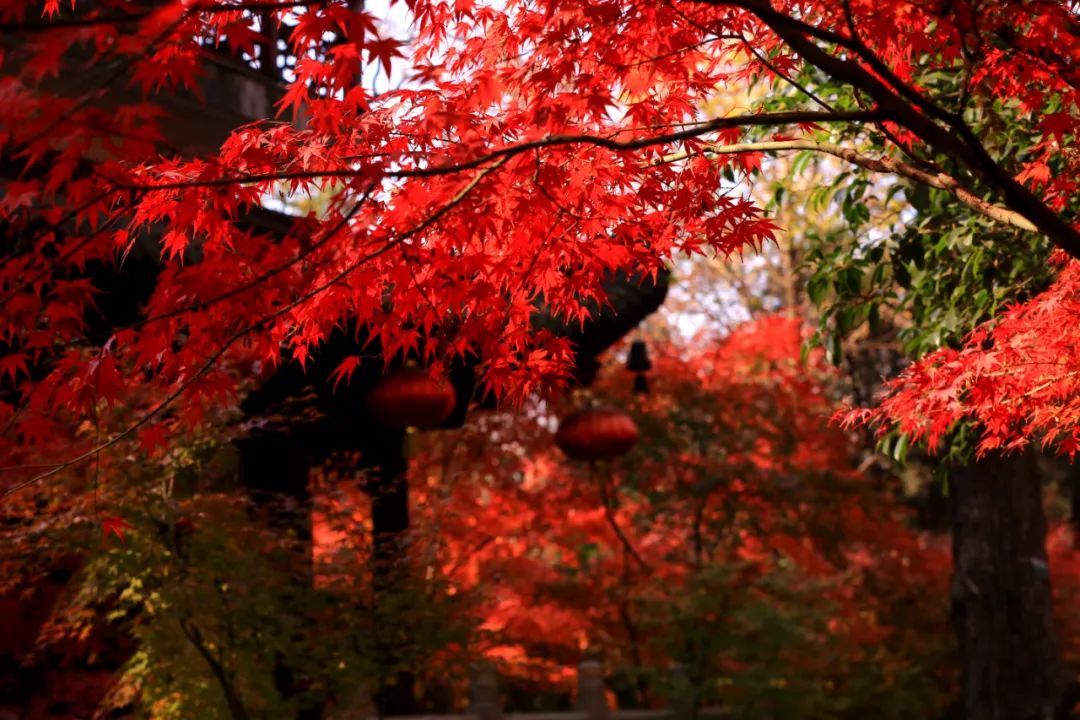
x: 1012, y: 664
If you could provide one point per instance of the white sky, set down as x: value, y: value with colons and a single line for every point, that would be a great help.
x: 395, y: 22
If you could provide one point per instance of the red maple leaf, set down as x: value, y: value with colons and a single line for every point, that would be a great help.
x: 113, y: 525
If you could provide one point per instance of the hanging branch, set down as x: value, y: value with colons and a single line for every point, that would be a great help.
x: 609, y: 513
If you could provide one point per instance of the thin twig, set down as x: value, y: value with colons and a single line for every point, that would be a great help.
x: 609, y: 513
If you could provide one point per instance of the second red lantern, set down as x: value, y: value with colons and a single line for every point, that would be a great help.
x: 596, y: 434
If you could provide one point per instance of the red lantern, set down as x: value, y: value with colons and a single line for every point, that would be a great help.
x: 411, y: 397
x: 596, y: 434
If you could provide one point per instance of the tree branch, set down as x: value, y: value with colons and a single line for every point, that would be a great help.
x: 213, y: 359
x: 194, y: 636
x: 941, y: 181
x: 613, y: 522
x: 956, y: 140
x: 509, y: 151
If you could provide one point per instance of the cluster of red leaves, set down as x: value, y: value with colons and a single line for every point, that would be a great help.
x: 1017, y: 377
x: 521, y: 168
x: 737, y: 450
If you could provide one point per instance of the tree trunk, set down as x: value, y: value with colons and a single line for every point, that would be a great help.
x: 1012, y: 667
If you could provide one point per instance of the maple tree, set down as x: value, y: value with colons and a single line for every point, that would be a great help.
x: 537, y: 153
x: 205, y: 607
x: 531, y: 560
x: 738, y: 559
x: 1016, y: 378
x: 538, y: 148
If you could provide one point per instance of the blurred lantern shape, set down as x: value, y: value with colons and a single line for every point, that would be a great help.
x: 638, y: 358
x: 596, y: 434
x: 637, y: 362
x: 411, y: 397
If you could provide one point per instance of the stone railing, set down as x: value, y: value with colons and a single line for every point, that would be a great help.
x: 591, y: 703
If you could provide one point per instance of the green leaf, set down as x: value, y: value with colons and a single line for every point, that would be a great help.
x: 816, y: 288
x: 899, y: 453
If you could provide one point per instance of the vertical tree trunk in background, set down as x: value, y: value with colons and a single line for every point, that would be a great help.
x: 1012, y: 667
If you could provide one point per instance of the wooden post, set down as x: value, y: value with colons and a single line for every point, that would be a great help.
x: 356, y: 706
x: 591, y: 699
x: 484, y: 692
x: 680, y: 698
x: 394, y: 642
